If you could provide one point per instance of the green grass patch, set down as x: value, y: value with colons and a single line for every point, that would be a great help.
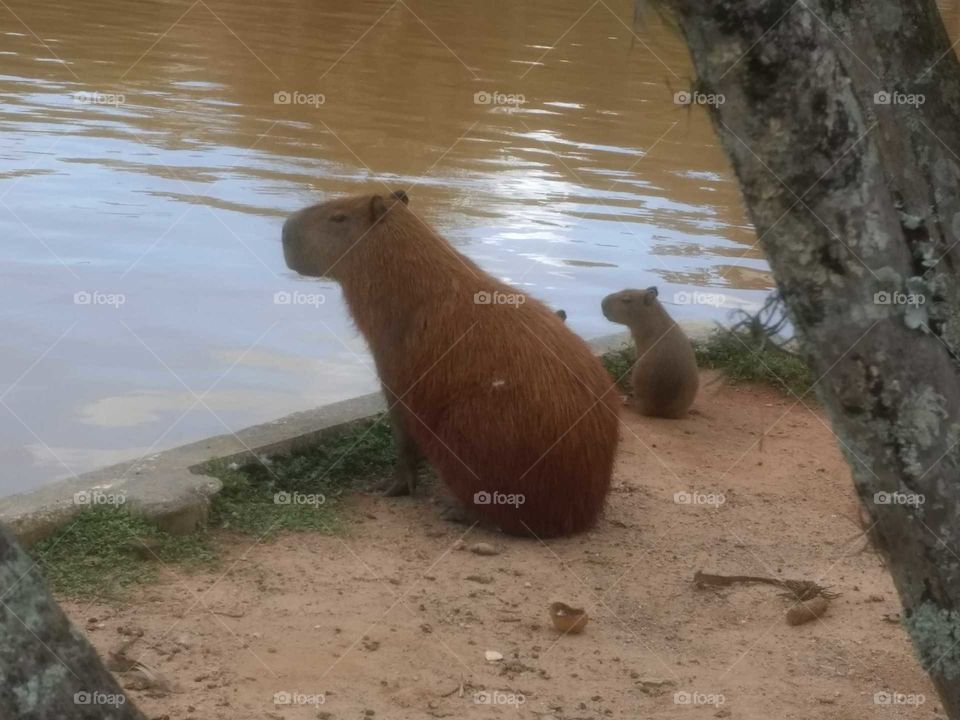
x: 739, y: 355
x: 619, y: 363
x: 743, y: 357
x: 105, y: 550
x: 302, y: 490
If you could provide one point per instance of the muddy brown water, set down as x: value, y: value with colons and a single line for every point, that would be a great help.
x: 150, y: 151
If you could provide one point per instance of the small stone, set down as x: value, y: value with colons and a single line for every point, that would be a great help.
x: 493, y: 656
x: 482, y: 548
x: 482, y: 579
x: 807, y: 611
x: 654, y: 686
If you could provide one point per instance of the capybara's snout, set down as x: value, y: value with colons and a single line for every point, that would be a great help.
x: 290, y: 238
x: 289, y: 230
x: 605, y: 307
x: 610, y: 308
x: 293, y: 228
x: 297, y: 250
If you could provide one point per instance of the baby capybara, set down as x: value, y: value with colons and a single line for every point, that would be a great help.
x: 665, y: 377
x: 512, y: 409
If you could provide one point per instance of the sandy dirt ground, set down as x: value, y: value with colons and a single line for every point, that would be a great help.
x: 395, y: 618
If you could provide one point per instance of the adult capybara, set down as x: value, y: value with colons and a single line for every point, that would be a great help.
x: 665, y: 377
x: 512, y: 409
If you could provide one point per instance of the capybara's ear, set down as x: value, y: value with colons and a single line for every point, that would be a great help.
x: 650, y: 294
x: 378, y: 204
x: 377, y: 208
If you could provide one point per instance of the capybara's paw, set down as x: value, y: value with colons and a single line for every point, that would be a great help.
x: 452, y: 510
x: 402, y: 483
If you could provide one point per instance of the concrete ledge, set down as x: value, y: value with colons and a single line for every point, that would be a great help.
x: 167, y: 487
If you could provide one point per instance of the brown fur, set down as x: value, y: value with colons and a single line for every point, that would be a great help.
x: 497, y: 397
x: 665, y: 378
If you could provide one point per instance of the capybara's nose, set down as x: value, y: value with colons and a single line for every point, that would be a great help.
x: 286, y: 235
x: 605, y: 307
x: 292, y: 228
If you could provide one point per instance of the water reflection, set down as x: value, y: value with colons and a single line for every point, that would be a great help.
x: 151, y: 150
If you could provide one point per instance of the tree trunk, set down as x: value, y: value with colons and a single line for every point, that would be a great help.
x: 854, y: 196
x: 48, y: 670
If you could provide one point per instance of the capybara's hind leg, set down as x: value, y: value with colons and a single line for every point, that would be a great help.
x: 404, y: 479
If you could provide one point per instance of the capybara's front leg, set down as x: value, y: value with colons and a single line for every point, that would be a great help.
x: 404, y: 480
x: 452, y: 510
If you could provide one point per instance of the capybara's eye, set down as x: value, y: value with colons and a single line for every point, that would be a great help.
x: 626, y: 299
x: 338, y: 217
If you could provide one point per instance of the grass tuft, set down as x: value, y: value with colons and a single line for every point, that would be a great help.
x: 105, y: 550
x: 742, y: 357
x: 738, y: 354
x: 300, y: 491
x: 619, y: 363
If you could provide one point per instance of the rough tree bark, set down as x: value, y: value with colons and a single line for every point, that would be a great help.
x: 48, y: 670
x: 852, y: 197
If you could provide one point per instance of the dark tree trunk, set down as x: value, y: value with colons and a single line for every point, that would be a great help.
x: 48, y: 670
x: 852, y: 197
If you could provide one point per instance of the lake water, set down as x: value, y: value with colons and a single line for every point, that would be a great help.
x: 150, y: 152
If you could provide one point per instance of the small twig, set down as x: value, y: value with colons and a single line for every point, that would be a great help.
x: 229, y: 613
x: 458, y: 690
x: 798, y: 589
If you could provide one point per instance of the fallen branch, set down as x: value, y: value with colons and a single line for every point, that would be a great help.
x: 797, y: 589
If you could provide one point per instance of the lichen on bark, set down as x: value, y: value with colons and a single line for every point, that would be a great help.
x: 936, y: 638
x: 919, y: 427
x: 49, y: 669
x: 853, y: 196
